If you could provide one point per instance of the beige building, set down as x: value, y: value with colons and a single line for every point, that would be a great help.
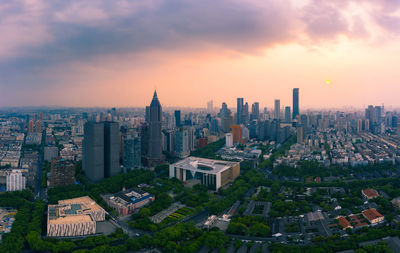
x: 74, y: 217
x: 212, y: 173
x: 373, y: 216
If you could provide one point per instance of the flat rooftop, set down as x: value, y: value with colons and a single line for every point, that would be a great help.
x: 204, y: 165
x: 86, y: 200
x: 80, y: 218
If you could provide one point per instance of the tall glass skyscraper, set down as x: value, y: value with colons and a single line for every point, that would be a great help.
x: 239, y: 112
x: 295, y: 102
x: 154, y: 155
x: 277, y: 109
x: 101, y: 150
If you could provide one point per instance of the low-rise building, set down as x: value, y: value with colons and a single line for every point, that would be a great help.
x: 212, y: 173
x: 127, y: 201
x: 344, y: 223
x: 74, y: 217
x: 373, y: 216
x: 369, y: 193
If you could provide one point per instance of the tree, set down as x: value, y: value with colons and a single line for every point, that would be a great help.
x: 259, y: 229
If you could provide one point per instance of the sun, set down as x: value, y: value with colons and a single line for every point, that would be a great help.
x: 328, y: 81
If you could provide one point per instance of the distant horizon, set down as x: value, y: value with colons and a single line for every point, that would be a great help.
x: 216, y: 107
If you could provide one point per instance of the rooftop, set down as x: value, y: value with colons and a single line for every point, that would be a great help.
x: 203, y: 164
x: 372, y: 214
x: 86, y: 200
x: 370, y: 193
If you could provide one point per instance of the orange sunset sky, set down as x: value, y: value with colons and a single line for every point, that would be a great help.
x: 115, y: 53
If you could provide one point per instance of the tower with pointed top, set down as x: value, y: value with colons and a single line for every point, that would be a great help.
x: 154, y: 155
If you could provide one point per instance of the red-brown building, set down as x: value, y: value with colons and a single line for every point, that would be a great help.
x: 373, y: 216
x: 369, y: 193
x: 344, y: 223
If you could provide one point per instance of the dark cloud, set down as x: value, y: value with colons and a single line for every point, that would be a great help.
x: 42, y: 34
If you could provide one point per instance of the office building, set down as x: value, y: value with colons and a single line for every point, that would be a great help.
x: 182, y: 142
x: 154, y: 154
x: 210, y: 106
x: 296, y: 110
x: 74, y: 217
x: 277, y: 109
x: 228, y: 140
x: 212, y: 173
x: 255, y: 111
x: 177, y: 114
x: 299, y: 134
x: 132, y: 157
x: 287, y: 114
x: 128, y: 201
x: 101, y: 150
x: 239, y: 111
x: 226, y: 118
x: 245, y: 114
x: 62, y: 173
x: 236, y: 131
x: 15, y: 181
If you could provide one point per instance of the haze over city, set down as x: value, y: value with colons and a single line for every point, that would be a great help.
x: 81, y: 53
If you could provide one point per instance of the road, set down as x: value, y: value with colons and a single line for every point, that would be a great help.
x: 39, y: 191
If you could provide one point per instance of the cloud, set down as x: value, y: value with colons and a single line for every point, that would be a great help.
x: 40, y: 37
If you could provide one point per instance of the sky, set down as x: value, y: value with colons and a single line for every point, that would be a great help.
x: 115, y: 53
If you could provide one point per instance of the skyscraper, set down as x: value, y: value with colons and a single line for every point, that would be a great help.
x: 177, y: 114
x: 93, y: 151
x: 296, y: 110
x: 132, y: 151
x: 226, y: 118
x: 154, y: 155
x: 101, y: 150
x: 255, y: 111
x: 287, y: 114
x: 210, y: 106
x: 239, y: 111
x: 277, y: 109
x: 111, y: 149
x: 245, y: 113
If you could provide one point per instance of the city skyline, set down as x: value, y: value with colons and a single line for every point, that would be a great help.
x: 115, y: 54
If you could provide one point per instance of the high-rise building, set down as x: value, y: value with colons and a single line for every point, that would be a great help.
x: 299, y: 134
x: 93, y: 151
x: 239, y: 111
x: 236, y: 132
x: 182, y: 142
x: 255, y: 111
x: 277, y: 109
x: 374, y: 115
x: 132, y: 157
x: 296, y: 110
x: 177, y: 114
x: 154, y: 155
x: 287, y: 114
x: 15, y: 181
x: 111, y: 149
x: 226, y: 118
x: 101, y: 150
x: 62, y: 173
x: 228, y: 140
x: 304, y: 125
x: 147, y: 114
x: 210, y: 106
